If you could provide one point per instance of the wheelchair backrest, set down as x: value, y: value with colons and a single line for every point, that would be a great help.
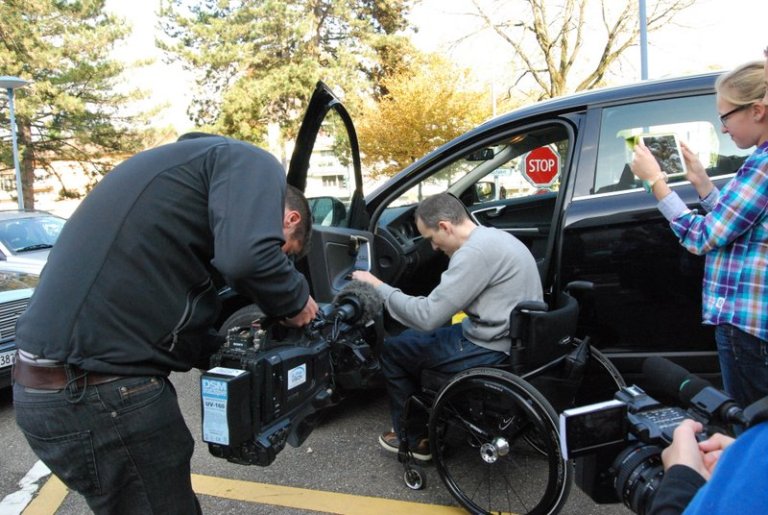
x: 537, y: 332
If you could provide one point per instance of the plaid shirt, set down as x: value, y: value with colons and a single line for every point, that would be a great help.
x: 734, y: 236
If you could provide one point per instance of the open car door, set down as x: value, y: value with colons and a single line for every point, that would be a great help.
x: 326, y: 166
x: 280, y: 377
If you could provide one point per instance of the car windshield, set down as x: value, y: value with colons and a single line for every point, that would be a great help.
x: 30, y: 233
x: 447, y: 176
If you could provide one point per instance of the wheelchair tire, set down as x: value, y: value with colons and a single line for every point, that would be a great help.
x: 480, y: 429
x: 601, y: 380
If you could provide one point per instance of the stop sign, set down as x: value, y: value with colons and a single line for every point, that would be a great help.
x: 541, y: 166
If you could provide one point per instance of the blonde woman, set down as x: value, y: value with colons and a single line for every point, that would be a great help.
x: 732, y: 233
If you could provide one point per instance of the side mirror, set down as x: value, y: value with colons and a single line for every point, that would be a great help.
x: 485, y: 191
x: 327, y: 211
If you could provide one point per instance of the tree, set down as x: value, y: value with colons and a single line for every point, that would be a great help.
x: 257, y: 61
x: 72, y: 111
x: 548, y: 37
x: 427, y: 104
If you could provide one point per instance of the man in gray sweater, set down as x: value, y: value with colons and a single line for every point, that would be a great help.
x: 489, y: 272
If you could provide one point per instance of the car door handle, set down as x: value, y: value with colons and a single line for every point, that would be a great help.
x: 490, y: 212
x: 523, y: 230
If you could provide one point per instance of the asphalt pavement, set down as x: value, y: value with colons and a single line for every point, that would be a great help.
x: 340, y: 468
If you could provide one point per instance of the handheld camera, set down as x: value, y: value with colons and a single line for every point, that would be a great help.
x: 616, y: 445
x: 267, y: 383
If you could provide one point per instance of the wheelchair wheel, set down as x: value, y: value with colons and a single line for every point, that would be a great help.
x: 480, y: 431
x: 601, y: 380
x: 414, y: 477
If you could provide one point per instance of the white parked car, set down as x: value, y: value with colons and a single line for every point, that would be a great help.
x: 26, y: 238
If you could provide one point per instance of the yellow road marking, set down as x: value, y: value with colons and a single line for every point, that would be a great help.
x: 53, y: 493
x: 315, y: 500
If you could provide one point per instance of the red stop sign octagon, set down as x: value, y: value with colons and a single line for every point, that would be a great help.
x: 541, y: 166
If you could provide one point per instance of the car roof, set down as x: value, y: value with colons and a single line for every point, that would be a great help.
x: 636, y: 91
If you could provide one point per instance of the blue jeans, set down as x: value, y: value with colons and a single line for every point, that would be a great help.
x: 743, y: 364
x: 404, y: 357
x: 123, y: 445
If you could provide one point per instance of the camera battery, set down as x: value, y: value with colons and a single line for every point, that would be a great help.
x: 225, y: 394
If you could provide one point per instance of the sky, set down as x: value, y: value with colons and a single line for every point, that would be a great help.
x: 711, y: 35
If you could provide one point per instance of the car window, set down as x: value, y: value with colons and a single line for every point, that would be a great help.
x: 692, y: 119
x: 511, y: 183
x: 519, y: 165
x: 330, y: 178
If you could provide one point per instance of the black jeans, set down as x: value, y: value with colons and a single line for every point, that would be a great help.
x: 123, y: 445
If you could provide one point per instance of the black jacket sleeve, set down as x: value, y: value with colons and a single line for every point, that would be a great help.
x: 246, y: 204
x: 676, y: 490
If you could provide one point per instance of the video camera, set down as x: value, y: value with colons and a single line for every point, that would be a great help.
x: 267, y: 382
x: 616, y: 445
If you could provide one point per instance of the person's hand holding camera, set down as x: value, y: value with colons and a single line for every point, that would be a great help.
x: 304, y: 316
x: 686, y: 450
x: 713, y: 448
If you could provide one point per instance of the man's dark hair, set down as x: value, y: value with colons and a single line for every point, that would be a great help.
x: 441, y: 207
x: 296, y: 201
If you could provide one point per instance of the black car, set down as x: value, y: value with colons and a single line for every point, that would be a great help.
x: 556, y: 175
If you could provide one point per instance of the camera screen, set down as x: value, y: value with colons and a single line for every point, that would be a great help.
x: 666, y: 150
x: 587, y: 428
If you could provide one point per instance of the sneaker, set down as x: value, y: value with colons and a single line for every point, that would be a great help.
x: 391, y: 443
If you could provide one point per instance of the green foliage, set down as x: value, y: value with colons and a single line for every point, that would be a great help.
x: 257, y: 61
x: 73, y: 109
x: 426, y: 105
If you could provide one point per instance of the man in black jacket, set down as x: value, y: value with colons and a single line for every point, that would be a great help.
x: 127, y: 296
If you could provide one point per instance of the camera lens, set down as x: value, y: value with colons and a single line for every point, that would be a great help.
x: 638, y: 473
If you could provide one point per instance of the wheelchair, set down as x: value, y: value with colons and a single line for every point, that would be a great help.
x: 494, y: 431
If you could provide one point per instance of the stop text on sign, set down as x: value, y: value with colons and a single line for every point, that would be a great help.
x: 541, y: 166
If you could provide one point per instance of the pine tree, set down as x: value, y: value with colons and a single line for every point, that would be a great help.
x: 74, y: 109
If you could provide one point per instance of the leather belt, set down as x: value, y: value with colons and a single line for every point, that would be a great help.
x: 55, y: 377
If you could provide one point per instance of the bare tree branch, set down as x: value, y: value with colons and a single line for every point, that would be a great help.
x: 547, y: 37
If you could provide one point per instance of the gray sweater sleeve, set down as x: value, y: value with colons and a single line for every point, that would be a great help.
x: 463, y: 281
x: 486, y: 277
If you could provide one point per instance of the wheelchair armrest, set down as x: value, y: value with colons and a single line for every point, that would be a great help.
x: 579, y: 286
x: 519, y: 313
x: 531, y: 305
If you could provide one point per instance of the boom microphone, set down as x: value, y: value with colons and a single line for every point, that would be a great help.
x: 692, y: 390
x: 357, y: 302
